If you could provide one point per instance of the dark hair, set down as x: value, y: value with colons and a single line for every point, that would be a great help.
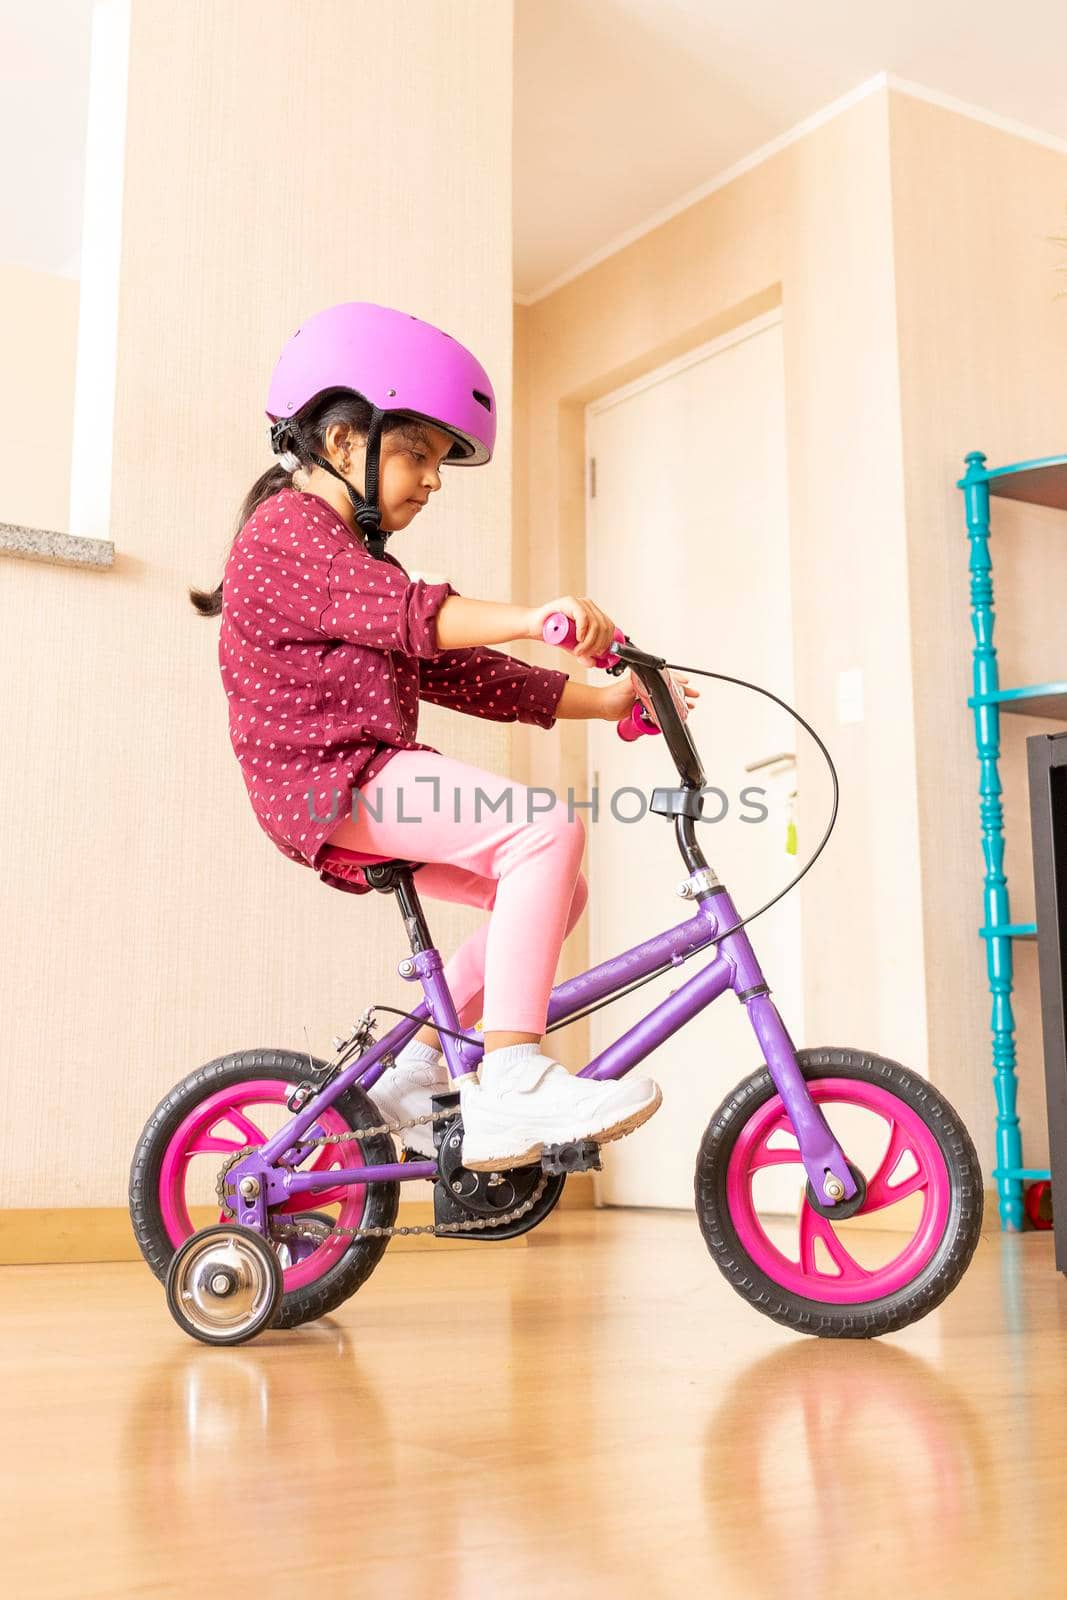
x: 337, y: 405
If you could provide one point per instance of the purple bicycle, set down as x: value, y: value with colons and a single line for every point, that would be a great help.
x: 304, y: 1179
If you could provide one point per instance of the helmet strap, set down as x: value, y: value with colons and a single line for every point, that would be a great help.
x: 368, y: 512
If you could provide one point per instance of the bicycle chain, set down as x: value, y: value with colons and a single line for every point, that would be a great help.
x: 293, y: 1230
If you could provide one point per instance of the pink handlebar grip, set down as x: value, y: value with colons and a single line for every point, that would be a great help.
x: 638, y: 722
x: 559, y: 629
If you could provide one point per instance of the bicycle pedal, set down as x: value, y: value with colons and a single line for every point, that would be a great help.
x: 561, y: 1159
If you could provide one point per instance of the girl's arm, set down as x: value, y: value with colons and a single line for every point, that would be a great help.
x: 462, y: 621
x: 578, y: 701
x: 592, y: 700
x: 483, y: 682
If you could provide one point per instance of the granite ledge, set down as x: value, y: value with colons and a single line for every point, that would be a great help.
x: 38, y: 544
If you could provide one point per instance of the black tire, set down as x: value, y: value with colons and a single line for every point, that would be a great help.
x: 868, y: 1319
x: 351, y: 1269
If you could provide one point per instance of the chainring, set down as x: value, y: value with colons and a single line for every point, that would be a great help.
x: 484, y: 1194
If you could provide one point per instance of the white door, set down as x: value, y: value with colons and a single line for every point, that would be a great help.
x: 688, y: 551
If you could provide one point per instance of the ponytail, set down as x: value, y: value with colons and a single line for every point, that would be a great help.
x: 209, y: 601
x: 335, y: 405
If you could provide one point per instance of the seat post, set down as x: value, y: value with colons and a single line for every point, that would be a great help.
x: 396, y: 877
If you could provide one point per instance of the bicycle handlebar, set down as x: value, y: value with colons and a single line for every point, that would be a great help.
x: 559, y: 629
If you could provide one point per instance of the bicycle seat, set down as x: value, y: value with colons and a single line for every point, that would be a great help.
x: 346, y: 863
x: 338, y: 863
x: 347, y: 869
x: 338, y: 853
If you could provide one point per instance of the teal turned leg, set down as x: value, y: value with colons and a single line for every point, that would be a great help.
x: 995, y: 895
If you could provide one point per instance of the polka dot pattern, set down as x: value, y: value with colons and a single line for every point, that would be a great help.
x: 325, y: 653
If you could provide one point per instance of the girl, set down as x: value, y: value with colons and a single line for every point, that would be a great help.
x: 327, y: 644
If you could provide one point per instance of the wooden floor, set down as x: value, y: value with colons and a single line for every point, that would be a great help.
x: 597, y: 1414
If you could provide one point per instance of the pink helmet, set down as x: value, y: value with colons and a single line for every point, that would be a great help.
x: 399, y: 364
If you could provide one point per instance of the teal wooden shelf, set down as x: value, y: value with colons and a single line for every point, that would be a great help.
x: 1042, y: 483
x: 1036, y: 483
x: 1035, y: 700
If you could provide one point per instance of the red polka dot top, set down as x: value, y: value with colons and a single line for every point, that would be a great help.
x: 325, y: 653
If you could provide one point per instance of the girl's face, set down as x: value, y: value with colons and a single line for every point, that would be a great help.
x: 410, y: 473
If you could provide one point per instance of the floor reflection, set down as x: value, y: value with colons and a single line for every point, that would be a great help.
x: 262, y: 1422
x: 815, y: 1437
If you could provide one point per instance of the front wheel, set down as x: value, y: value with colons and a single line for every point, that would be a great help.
x: 849, y: 1280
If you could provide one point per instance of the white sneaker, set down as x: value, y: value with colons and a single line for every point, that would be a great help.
x: 524, y: 1100
x: 404, y: 1091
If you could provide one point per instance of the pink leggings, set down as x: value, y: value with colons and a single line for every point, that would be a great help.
x: 505, y: 852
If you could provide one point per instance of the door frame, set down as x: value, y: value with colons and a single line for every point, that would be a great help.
x: 670, y: 369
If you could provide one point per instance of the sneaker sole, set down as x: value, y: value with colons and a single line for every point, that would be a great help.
x: 533, y: 1152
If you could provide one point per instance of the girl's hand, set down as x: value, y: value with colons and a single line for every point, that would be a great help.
x: 596, y: 630
x: 619, y: 699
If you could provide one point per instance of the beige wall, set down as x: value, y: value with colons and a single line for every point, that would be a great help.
x: 274, y: 165
x: 908, y: 249
x: 39, y: 336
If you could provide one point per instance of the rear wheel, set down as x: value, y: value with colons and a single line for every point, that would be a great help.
x: 235, y: 1103
x: 841, y: 1280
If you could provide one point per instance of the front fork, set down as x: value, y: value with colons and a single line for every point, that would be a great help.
x: 823, y: 1158
x: 824, y: 1161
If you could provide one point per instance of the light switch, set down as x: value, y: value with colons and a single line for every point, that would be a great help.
x: 850, y: 695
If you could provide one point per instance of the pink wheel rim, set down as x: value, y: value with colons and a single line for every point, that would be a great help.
x: 848, y: 1283
x: 223, y: 1124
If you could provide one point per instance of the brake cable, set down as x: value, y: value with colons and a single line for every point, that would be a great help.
x: 723, y: 677
x: 744, y: 684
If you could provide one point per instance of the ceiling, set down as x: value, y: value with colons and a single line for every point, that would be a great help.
x: 625, y: 107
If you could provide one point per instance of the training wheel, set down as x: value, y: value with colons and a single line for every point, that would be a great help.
x: 224, y: 1285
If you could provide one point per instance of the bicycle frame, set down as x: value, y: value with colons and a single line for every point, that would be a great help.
x: 734, y: 967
